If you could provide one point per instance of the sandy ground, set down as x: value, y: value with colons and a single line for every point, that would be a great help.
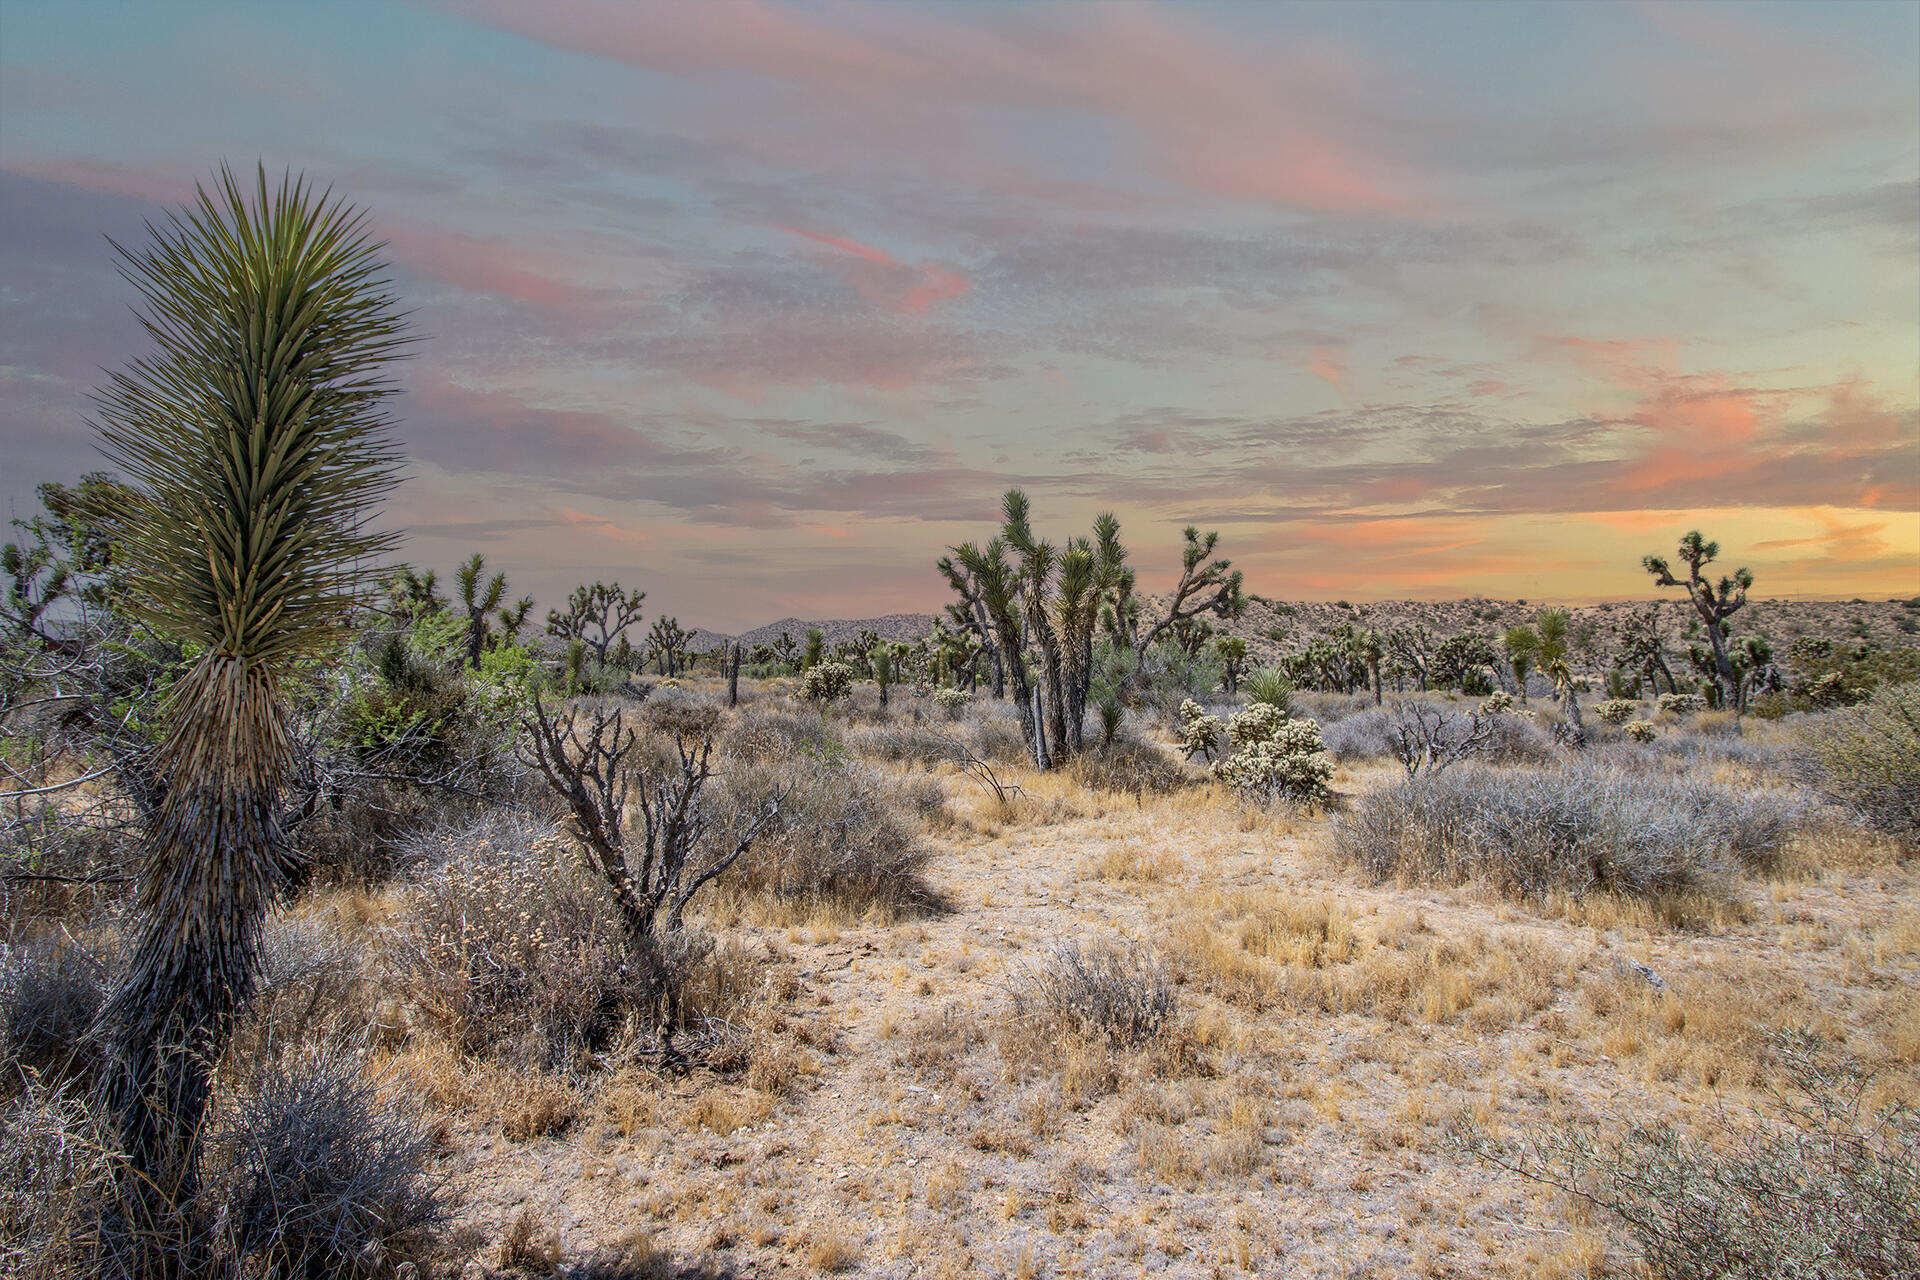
x: 1294, y: 1121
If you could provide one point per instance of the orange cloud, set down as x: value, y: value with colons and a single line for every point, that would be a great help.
x: 1329, y: 364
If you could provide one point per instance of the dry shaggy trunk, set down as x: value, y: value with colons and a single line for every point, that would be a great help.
x: 214, y: 858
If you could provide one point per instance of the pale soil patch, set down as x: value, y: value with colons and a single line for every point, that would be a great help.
x: 1329, y: 1032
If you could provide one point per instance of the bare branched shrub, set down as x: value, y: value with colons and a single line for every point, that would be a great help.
x: 1824, y: 1188
x: 1577, y: 829
x: 1123, y: 995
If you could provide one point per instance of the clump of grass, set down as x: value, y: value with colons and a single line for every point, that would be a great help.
x: 1575, y: 830
x: 1122, y: 995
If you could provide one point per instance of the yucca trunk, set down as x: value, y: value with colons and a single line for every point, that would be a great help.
x: 214, y: 859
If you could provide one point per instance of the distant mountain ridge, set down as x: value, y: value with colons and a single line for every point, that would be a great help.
x: 894, y: 626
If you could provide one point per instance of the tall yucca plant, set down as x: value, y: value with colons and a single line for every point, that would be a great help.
x: 257, y: 443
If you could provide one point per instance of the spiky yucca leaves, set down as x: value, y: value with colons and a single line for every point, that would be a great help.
x: 257, y: 446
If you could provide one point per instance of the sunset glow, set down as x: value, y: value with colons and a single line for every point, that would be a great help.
x: 760, y: 306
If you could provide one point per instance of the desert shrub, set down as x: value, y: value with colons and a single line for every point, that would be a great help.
x: 1617, y: 711
x: 1827, y: 1187
x: 1326, y: 708
x: 952, y: 701
x: 903, y: 742
x: 50, y: 991
x: 1275, y: 758
x: 319, y: 1174
x: 1641, y: 731
x: 770, y: 731
x: 57, y: 1179
x: 515, y: 951
x: 1126, y: 763
x: 847, y: 833
x: 311, y: 1170
x: 826, y: 682
x: 670, y: 711
x: 1367, y: 736
x: 309, y: 976
x: 995, y: 734
x: 1868, y: 758
x: 1680, y: 704
x: 1517, y: 739
x: 1122, y: 994
x: 1199, y: 732
x: 1499, y: 702
x: 1577, y: 829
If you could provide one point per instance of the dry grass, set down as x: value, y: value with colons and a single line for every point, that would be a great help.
x: 882, y: 1085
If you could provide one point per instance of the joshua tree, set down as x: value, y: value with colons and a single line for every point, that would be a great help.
x: 667, y: 645
x: 1233, y: 660
x: 970, y: 616
x: 1522, y: 644
x: 1371, y: 650
x: 597, y: 615
x: 816, y: 650
x: 882, y: 658
x: 1205, y: 586
x: 479, y: 602
x: 995, y: 579
x: 1556, y: 664
x: 1412, y: 648
x: 1715, y: 604
x: 733, y: 674
x: 256, y: 445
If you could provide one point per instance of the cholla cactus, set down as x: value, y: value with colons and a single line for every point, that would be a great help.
x: 1617, y: 711
x: 1288, y: 762
x: 1682, y: 704
x: 952, y: 701
x: 1499, y: 702
x: 1199, y: 732
x: 1258, y: 723
x: 827, y: 682
x: 1640, y: 730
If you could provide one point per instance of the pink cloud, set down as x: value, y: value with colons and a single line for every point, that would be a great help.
x: 483, y: 265
x: 889, y: 285
x: 1215, y: 112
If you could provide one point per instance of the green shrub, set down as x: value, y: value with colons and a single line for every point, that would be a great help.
x: 1271, y: 687
x: 1640, y: 730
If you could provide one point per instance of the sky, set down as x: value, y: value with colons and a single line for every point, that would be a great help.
x: 760, y: 306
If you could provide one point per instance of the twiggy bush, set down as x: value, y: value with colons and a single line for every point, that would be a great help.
x: 322, y: 1175
x: 1824, y: 1188
x: 1868, y: 758
x: 1579, y: 829
x: 1128, y: 764
x: 312, y: 1171
x: 50, y: 993
x: 1121, y: 994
